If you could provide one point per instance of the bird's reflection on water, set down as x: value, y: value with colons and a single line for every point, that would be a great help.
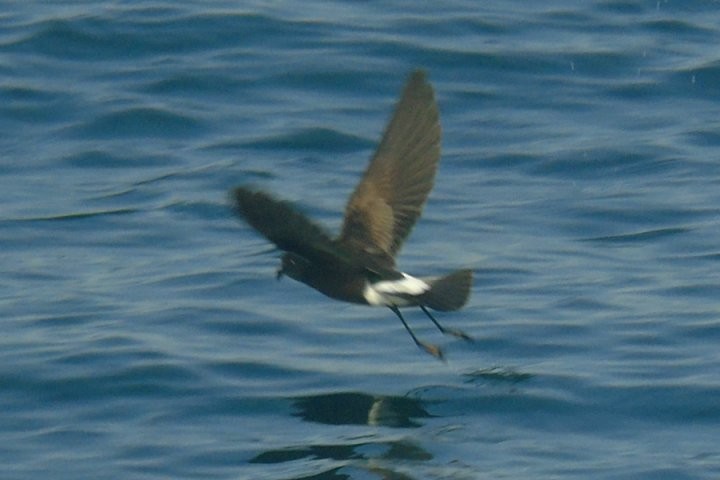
x: 375, y: 456
x: 361, y: 409
x: 391, y: 449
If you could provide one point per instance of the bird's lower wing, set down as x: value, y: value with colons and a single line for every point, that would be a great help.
x: 291, y: 231
x: 281, y: 223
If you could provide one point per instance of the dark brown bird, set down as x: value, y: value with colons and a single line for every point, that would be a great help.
x: 359, y: 265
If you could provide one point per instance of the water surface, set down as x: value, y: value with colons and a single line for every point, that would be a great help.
x: 144, y: 334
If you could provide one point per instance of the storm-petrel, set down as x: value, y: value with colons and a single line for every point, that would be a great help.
x: 359, y: 265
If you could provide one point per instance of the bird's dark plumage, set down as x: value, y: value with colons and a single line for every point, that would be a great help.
x: 359, y: 265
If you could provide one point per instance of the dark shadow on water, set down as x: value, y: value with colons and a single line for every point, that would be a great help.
x: 360, y: 409
x: 339, y: 461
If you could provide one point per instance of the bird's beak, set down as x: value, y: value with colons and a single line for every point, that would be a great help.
x: 279, y: 274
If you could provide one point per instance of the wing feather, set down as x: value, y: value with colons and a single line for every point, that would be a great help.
x: 389, y: 199
x: 282, y: 224
x: 291, y: 231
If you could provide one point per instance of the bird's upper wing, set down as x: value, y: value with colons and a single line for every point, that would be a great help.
x: 390, y: 197
x: 282, y: 224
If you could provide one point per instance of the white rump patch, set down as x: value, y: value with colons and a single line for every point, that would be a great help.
x: 396, y: 293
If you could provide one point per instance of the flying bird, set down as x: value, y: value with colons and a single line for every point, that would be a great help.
x: 358, y: 266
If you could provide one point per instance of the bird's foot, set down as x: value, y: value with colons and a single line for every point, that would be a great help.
x: 433, y: 350
x: 458, y: 334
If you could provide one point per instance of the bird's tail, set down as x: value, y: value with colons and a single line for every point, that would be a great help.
x: 448, y: 293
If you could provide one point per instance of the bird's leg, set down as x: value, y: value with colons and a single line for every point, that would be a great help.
x: 433, y: 350
x: 445, y: 330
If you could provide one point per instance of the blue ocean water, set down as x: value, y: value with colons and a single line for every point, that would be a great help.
x: 145, y: 336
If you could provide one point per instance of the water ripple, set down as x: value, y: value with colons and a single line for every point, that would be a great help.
x: 642, y: 237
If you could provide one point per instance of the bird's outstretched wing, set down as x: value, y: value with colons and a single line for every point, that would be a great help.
x: 387, y: 202
x: 291, y: 231
x: 282, y: 224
